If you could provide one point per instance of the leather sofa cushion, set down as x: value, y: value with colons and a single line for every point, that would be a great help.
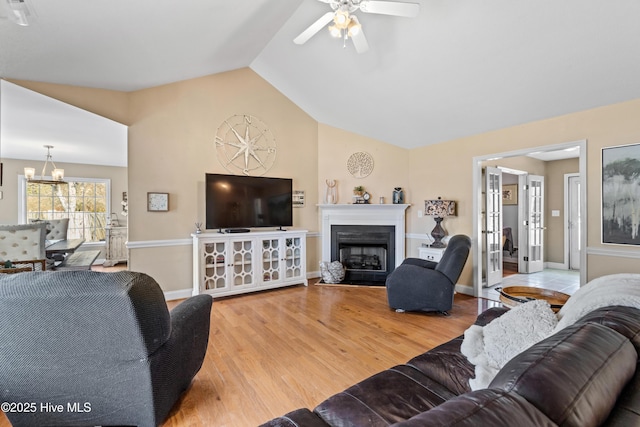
x: 447, y: 366
x: 485, y: 407
x: 623, y: 320
x: 388, y: 397
x: 573, y: 377
x: 298, y: 418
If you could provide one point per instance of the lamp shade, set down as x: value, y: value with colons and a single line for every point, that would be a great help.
x: 440, y: 208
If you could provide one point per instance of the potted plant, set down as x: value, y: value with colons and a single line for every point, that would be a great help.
x: 358, y: 190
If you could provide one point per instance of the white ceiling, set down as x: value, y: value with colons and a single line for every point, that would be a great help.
x: 77, y: 136
x: 462, y: 67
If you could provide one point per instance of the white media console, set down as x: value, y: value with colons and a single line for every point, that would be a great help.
x: 237, y: 263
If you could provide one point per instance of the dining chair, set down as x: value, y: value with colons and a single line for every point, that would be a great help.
x: 22, y: 242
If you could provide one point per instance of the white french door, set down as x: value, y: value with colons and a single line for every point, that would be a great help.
x: 534, y: 256
x: 493, y: 225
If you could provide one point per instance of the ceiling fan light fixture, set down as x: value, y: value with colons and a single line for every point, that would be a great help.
x: 335, y: 31
x: 354, y: 27
x: 342, y: 24
x: 341, y: 19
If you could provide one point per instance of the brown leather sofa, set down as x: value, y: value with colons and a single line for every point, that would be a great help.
x: 585, y: 375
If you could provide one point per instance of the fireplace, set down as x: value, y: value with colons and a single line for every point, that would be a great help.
x: 367, y: 251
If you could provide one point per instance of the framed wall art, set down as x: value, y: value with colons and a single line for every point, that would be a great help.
x: 157, y: 202
x: 621, y: 195
x: 510, y: 194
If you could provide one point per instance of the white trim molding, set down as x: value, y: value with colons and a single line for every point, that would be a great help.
x: 613, y: 252
x: 158, y: 243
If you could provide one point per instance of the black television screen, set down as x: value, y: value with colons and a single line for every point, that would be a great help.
x: 238, y: 201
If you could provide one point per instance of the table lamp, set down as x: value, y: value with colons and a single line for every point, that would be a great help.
x: 439, y: 209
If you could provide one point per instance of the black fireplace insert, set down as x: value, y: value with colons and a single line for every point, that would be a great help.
x: 367, y: 251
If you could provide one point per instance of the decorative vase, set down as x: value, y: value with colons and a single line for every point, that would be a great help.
x: 331, y: 196
x: 398, y: 196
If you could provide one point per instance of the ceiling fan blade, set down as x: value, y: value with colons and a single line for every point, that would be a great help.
x: 314, y: 28
x: 360, y: 42
x: 409, y: 10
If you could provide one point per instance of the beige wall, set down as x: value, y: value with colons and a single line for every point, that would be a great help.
x: 601, y: 127
x: 335, y: 146
x: 171, y: 147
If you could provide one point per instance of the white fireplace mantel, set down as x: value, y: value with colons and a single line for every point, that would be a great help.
x: 364, y: 214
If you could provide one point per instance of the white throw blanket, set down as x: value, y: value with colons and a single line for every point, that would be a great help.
x: 490, y: 347
x: 616, y: 289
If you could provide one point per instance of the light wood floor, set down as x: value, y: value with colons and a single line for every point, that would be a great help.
x: 276, y: 351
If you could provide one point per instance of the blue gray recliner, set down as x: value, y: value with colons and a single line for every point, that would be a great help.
x: 421, y: 285
x: 101, y: 348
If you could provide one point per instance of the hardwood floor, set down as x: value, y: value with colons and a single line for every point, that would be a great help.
x: 276, y: 351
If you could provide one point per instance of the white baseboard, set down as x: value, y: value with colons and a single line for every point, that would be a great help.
x: 464, y: 289
x: 180, y: 294
x: 556, y: 265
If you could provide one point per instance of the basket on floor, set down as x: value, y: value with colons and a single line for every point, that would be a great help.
x: 512, y: 296
x: 333, y: 272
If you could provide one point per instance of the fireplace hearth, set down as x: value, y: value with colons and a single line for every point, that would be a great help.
x: 367, y: 252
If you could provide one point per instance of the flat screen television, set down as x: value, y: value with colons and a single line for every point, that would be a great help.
x: 239, y: 202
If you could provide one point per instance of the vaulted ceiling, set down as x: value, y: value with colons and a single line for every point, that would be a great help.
x: 462, y: 67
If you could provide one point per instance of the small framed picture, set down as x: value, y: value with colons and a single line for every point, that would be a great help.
x: 510, y: 194
x: 157, y: 202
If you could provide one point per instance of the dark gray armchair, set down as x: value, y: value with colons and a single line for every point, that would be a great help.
x: 104, y: 346
x: 421, y: 285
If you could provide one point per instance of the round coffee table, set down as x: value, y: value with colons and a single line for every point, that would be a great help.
x: 512, y: 296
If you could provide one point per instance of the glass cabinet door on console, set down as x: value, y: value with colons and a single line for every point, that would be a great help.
x: 214, y: 265
x: 294, y: 258
x: 228, y: 264
x: 282, y: 258
x: 271, y: 264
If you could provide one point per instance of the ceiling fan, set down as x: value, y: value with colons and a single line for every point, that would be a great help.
x: 346, y: 25
x: 18, y: 11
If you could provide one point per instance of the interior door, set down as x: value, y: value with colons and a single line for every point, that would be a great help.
x: 493, y: 225
x: 574, y: 222
x: 534, y: 260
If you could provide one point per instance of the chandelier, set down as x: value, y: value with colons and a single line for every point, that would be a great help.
x: 57, y: 175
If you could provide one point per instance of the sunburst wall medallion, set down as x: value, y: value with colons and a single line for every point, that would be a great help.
x: 360, y: 164
x: 244, y: 144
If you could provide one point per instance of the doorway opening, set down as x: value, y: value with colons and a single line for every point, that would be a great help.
x: 479, y: 234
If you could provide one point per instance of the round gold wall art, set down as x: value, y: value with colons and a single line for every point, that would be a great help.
x: 360, y: 164
x: 244, y: 144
